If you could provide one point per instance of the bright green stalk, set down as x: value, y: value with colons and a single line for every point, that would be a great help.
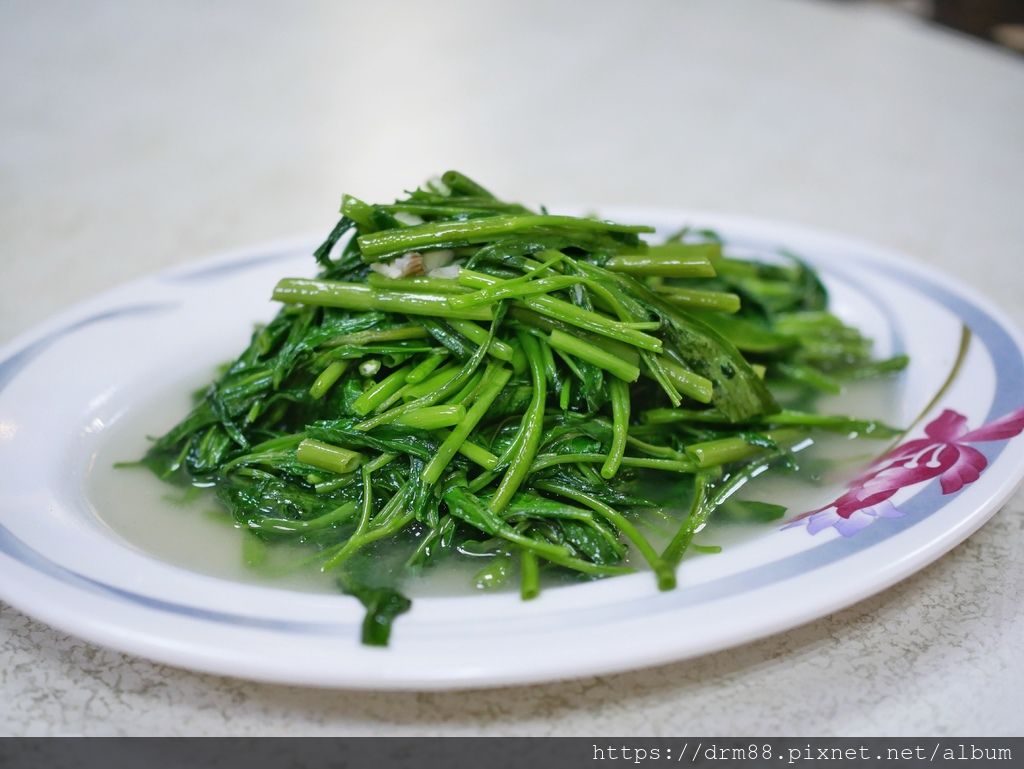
x: 591, y: 321
x: 443, y: 528
x: 737, y: 448
x: 432, y: 417
x: 573, y: 315
x: 620, y: 427
x: 478, y: 454
x: 376, y: 464
x: 417, y: 284
x: 834, y: 422
x: 468, y: 390
x: 720, y: 301
x: 474, y: 333
x: 517, y: 287
x: 663, y: 571
x: 289, y: 526
x: 378, y: 393
x: 495, y: 380
x: 514, y: 289
x: 700, y: 510
x: 355, y: 296
x: 709, y: 494
x: 446, y: 390
x: 392, y: 521
x: 428, y: 385
x: 518, y: 360
x: 530, y: 431
x: 374, y: 336
x: 328, y: 457
x: 426, y: 367
x: 588, y: 352
x: 688, y: 383
x: 463, y: 186
x: 458, y: 500
x: 327, y: 378
x: 364, y: 519
x: 529, y: 576
x: 665, y: 266
x: 382, y: 245
x: 544, y: 461
x: 809, y: 376
x: 358, y: 211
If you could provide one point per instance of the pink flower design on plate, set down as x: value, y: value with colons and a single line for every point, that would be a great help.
x: 944, y: 453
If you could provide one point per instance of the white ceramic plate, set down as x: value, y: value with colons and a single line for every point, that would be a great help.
x: 63, y: 385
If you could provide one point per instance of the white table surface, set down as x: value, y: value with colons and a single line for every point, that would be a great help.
x: 137, y: 135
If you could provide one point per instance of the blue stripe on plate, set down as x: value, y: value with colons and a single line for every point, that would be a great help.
x: 11, y: 546
x: 13, y: 365
x: 201, y: 274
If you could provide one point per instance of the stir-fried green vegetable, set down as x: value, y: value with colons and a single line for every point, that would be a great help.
x: 469, y: 379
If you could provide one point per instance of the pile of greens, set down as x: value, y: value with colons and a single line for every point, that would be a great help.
x: 470, y: 379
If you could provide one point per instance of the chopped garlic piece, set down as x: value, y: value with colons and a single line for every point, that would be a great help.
x: 401, y: 267
x: 409, y: 219
x: 448, y: 271
x: 432, y: 260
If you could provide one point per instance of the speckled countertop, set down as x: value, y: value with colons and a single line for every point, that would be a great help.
x: 139, y: 135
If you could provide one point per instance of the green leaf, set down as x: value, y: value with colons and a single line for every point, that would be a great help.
x: 383, y: 606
